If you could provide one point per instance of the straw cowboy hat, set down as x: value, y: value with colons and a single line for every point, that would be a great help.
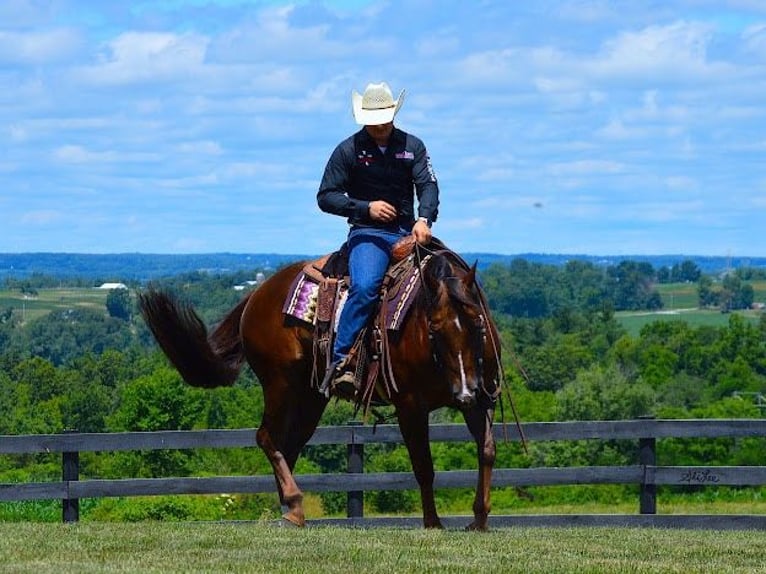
x: 377, y: 105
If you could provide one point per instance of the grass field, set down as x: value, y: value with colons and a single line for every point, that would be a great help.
x: 28, y: 307
x: 263, y: 547
x: 680, y: 304
x: 633, y: 321
x: 684, y: 295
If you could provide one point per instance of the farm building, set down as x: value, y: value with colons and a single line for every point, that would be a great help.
x: 109, y: 286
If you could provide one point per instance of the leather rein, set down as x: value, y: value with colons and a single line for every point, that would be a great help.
x: 484, y: 333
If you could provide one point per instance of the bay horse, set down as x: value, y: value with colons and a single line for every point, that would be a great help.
x: 446, y: 354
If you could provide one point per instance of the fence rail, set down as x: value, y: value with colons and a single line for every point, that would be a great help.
x: 355, y: 481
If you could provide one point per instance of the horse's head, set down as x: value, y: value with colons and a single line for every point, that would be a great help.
x: 458, y: 327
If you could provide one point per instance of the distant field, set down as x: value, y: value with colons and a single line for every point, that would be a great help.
x: 684, y: 295
x: 678, y: 295
x: 30, y: 307
x: 633, y: 321
x: 680, y: 304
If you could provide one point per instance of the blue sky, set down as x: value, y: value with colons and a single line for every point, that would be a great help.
x: 193, y: 126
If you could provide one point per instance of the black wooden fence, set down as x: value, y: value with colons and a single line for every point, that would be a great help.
x: 645, y: 473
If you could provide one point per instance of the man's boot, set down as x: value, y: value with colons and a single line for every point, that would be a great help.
x: 339, y: 380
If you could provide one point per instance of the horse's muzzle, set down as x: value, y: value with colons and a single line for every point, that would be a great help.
x: 465, y: 399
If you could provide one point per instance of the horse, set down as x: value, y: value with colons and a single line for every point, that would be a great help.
x: 446, y: 354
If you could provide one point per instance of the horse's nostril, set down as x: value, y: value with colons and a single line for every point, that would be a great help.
x: 465, y: 399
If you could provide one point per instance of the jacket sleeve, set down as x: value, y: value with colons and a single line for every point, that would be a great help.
x: 332, y: 196
x: 426, y: 186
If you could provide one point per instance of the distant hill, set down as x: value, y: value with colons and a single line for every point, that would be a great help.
x: 145, y: 266
x: 134, y: 266
x: 707, y: 263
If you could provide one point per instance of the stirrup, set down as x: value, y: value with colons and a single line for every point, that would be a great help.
x: 324, y: 387
x: 344, y: 385
x: 339, y: 380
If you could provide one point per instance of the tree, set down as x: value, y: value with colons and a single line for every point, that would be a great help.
x: 630, y: 286
x: 688, y: 272
x: 160, y: 401
x: 706, y: 296
x: 118, y: 304
x: 61, y: 336
x: 738, y: 294
x: 604, y: 394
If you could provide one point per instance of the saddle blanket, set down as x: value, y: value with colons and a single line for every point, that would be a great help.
x: 302, y: 299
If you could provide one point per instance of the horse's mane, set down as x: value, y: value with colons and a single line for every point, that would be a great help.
x: 448, y: 269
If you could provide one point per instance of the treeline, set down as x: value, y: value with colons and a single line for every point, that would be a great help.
x: 565, y: 354
x: 533, y: 290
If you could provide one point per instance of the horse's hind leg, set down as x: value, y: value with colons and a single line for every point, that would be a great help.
x: 289, y: 493
x: 479, y: 422
x: 290, y: 418
x: 414, y: 426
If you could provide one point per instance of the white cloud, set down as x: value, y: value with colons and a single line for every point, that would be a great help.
x: 138, y: 57
x: 600, y: 112
x: 207, y: 147
x: 586, y: 167
x: 271, y: 36
x: 755, y: 40
x: 75, y: 154
x: 462, y: 224
x: 681, y: 182
x: 42, y: 217
x: 38, y: 47
x: 617, y: 130
x: 658, y: 53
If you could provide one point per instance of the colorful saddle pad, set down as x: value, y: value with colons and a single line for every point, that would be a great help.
x: 302, y: 299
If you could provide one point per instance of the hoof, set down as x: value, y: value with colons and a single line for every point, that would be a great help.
x: 292, y: 521
x: 475, y: 527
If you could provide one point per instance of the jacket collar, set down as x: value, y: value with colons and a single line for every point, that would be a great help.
x: 397, y: 136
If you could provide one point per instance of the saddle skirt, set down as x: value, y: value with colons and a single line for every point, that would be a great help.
x: 316, y: 298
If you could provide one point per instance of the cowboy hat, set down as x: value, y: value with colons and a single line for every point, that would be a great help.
x: 377, y: 105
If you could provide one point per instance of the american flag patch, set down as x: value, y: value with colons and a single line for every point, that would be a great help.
x: 405, y: 155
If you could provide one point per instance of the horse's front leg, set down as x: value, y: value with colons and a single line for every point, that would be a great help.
x: 479, y: 421
x: 413, y: 423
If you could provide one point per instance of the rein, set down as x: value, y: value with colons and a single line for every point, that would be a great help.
x: 496, y: 345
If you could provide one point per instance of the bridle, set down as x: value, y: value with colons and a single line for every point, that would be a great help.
x: 478, y: 330
x: 485, y: 334
x: 478, y: 338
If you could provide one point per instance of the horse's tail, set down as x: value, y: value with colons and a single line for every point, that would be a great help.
x: 203, y: 360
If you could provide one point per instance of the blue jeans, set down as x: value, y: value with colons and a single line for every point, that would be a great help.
x: 369, y: 255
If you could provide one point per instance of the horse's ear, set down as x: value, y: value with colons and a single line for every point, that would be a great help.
x: 435, y: 271
x: 470, y: 278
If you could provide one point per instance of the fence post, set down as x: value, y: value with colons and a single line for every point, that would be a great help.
x: 70, y: 472
x: 355, y: 465
x: 647, y: 456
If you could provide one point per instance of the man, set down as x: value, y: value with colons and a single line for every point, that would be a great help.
x: 371, y: 179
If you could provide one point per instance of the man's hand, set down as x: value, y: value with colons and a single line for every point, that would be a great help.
x: 421, y: 232
x: 382, y: 211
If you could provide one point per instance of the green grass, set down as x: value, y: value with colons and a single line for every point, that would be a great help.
x: 28, y: 307
x: 633, y: 321
x: 684, y: 295
x: 678, y: 295
x: 262, y: 547
x: 680, y: 304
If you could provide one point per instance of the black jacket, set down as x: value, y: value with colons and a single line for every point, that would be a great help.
x: 358, y: 173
